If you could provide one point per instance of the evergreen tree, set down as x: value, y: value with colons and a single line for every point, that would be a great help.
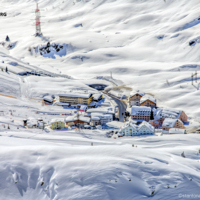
x: 7, y: 39
x: 151, y: 117
x: 6, y: 69
x: 8, y: 127
x: 48, y: 44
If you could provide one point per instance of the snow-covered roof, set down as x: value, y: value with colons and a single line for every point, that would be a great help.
x: 108, y: 110
x: 83, y: 108
x: 128, y: 124
x: 168, y: 122
x: 149, y: 126
x: 95, y: 118
x: 132, y: 93
x: 177, y: 131
x: 74, y: 118
x: 171, y: 113
x: 62, y: 104
x: 148, y: 97
x: 101, y: 116
x: 40, y: 124
x: 31, y: 122
x: 96, y: 96
x: 80, y: 95
x: 115, y: 124
x: 137, y: 128
x: 57, y: 120
x: 48, y: 98
x: 137, y: 110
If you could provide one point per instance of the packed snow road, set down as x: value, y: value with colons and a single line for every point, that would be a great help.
x: 121, y: 106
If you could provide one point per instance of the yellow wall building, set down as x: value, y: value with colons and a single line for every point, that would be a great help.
x: 57, y: 124
x: 74, y: 99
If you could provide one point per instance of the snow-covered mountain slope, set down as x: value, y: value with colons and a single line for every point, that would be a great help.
x: 150, y: 45
x: 65, y: 166
x: 145, y: 43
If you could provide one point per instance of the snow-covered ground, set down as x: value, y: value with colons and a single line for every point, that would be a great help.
x: 144, y: 45
x: 64, y: 165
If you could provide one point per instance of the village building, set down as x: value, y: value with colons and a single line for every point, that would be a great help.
x: 155, y: 123
x: 97, y: 97
x: 131, y: 129
x: 135, y: 97
x: 30, y: 122
x: 78, y: 121
x: 198, y: 130
x: 48, y: 100
x: 100, y: 119
x: 57, y: 123
x: 177, y: 131
x: 34, y: 123
x: 104, y: 110
x: 145, y: 129
x: 76, y: 98
x: 172, y: 123
x: 161, y: 114
x: 116, y: 124
x: 140, y: 113
x: 40, y: 123
x: 148, y: 100
x: 174, y: 114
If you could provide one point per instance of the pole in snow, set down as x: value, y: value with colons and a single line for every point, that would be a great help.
x: 192, y: 78
x: 196, y: 76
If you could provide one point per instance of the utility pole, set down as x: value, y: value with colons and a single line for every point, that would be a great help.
x: 193, y: 75
x: 196, y: 76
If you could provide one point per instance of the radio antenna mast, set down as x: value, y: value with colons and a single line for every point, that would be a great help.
x: 37, y: 23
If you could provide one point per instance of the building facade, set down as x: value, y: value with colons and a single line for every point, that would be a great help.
x: 134, y: 98
x: 177, y: 131
x: 172, y: 123
x: 148, y: 100
x: 78, y: 121
x: 131, y: 129
x: 100, y: 119
x: 161, y: 114
x: 57, y: 124
x: 72, y: 99
x: 140, y: 113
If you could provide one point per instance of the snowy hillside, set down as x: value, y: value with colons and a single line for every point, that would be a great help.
x: 147, y: 45
x: 144, y: 43
x: 38, y: 166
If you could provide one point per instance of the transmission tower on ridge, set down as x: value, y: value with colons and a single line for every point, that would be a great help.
x: 37, y: 24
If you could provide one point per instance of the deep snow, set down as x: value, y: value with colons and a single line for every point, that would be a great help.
x: 146, y: 46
